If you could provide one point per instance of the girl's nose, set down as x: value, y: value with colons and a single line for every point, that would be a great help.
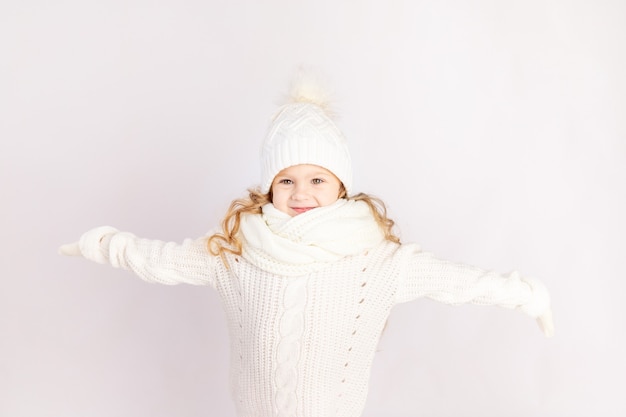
x: 301, y: 191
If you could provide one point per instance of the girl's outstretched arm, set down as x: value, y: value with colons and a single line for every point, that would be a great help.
x: 152, y: 260
x: 423, y: 275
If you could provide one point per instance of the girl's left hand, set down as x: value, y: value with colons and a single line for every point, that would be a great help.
x: 546, y: 323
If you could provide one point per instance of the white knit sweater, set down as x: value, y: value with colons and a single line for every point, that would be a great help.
x: 302, y: 346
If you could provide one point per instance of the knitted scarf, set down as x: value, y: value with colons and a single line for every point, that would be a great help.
x: 292, y: 246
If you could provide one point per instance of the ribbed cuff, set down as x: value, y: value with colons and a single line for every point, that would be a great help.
x: 94, y: 244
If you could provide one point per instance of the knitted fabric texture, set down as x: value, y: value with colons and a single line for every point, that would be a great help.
x: 302, y: 346
x: 303, y: 133
x: 292, y: 246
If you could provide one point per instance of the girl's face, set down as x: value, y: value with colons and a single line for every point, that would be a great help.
x: 300, y: 188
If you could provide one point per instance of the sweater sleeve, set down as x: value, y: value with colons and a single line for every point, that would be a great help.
x: 423, y: 275
x: 155, y: 261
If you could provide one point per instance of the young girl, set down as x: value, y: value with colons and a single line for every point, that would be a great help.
x: 308, y: 272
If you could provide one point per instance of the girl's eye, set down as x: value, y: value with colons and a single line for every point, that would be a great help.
x: 317, y: 181
x: 285, y: 181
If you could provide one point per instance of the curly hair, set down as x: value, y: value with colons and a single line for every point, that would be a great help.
x: 227, y: 241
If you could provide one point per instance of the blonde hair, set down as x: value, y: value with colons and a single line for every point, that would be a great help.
x: 227, y: 241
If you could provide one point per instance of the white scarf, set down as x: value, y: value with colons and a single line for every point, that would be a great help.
x: 292, y: 246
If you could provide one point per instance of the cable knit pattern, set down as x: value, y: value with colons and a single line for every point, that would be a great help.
x: 303, y: 346
x: 291, y: 328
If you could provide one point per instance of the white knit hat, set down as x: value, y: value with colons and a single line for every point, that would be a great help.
x: 303, y: 132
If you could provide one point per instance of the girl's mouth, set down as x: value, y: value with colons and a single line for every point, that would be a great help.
x: 301, y: 210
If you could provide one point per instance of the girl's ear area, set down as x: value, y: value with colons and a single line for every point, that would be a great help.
x: 342, y: 191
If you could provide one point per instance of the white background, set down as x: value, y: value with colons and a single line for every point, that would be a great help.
x: 494, y: 130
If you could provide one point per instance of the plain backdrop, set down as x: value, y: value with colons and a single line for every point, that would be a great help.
x: 494, y: 130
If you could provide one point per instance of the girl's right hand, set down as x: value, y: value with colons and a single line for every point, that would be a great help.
x: 93, y: 245
x: 70, y: 249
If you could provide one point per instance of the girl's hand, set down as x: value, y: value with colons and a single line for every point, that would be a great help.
x: 71, y: 249
x: 546, y: 324
x: 93, y: 245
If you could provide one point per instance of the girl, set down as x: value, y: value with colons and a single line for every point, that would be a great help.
x: 308, y: 272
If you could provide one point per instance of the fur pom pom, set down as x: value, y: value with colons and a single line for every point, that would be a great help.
x: 308, y: 86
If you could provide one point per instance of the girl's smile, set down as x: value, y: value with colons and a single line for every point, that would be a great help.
x: 301, y: 210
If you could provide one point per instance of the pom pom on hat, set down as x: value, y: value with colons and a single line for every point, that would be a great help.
x: 309, y: 87
x: 303, y: 132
